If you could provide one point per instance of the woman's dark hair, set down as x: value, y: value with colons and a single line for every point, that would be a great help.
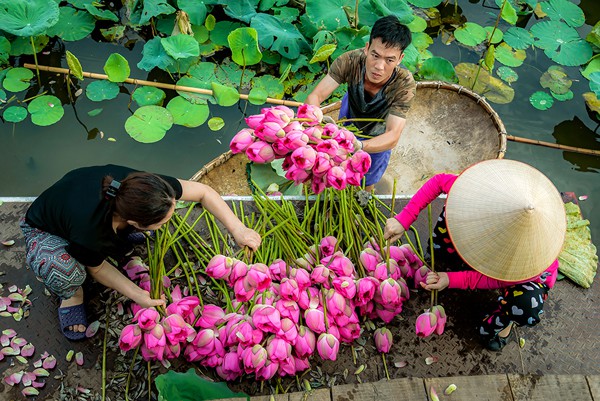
x: 391, y: 32
x: 142, y: 197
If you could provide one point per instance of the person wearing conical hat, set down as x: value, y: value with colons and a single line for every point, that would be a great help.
x: 506, y: 222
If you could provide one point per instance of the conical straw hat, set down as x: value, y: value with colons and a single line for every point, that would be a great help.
x: 506, y: 219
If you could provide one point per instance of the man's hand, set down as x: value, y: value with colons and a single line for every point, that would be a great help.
x: 436, y: 281
x: 245, y: 236
x: 393, y: 230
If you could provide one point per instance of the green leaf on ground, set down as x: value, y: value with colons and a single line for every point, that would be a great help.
x: 45, y: 110
x: 541, y: 100
x: 149, y: 124
x: 188, y: 386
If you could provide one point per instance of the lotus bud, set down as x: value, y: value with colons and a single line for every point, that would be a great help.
x: 311, y: 112
x: 147, y: 318
x: 304, y: 157
x: 336, y: 178
x: 440, y: 314
x: 426, y: 324
x: 305, y: 342
x: 370, y: 258
x: 254, y: 121
x: 383, y: 339
x: 315, y: 320
x: 260, y: 152
x: 219, y: 267
x: 242, y: 140
x: 278, y: 349
x: 254, y: 358
x: 345, y: 286
x: 421, y: 276
x: 328, y: 346
x: 269, y: 131
x: 302, y: 277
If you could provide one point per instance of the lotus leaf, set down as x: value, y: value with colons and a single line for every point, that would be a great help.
x: 221, y: 31
x: 349, y: 39
x: 196, y: 10
x: 102, y: 90
x: 188, y: 386
x: 328, y: 14
x: 425, y: 3
x: 518, y: 38
x: 27, y: 18
x: 264, y: 175
x: 508, y: 56
x: 564, y: 10
x: 117, y: 68
x: 471, y: 76
x: 2, y: 95
x: 210, y: 22
x: 556, y: 80
x: 563, y: 97
x: 3, y: 74
x: 72, y: 25
x: 17, y: 79
x: 183, y: 65
x: 231, y: 74
x: 541, y: 100
x: 113, y: 33
x: 323, y: 53
x: 561, y: 43
x: 270, y: 84
x: 490, y: 58
x: 371, y: 11
x: 148, y: 95
x: 507, y: 74
x: 149, y: 124
x: 15, y: 114
x: 498, y: 34
x: 200, y: 33
x: 225, y: 95
x: 154, y: 8
x: 243, y: 10
x: 105, y: 15
x: 286, y: 66
x: 216, y: 123
x: 165, y: 24
x: 209, y: 48
x: 418, y: 24
x: 79, y: 3
x: 271, y: 58
x: 258, y: 96
x: 421, y: 40
x: 592, y: 101
x: 470, y: 34
x: 286, y: 14
x: 75, y: 68
x: 438, y: 69
x: 181, y: 46
x: 509, y: 14
x: 4, y: 50
x: 278, y: 36
x: 45, y: 110
x: 594, y: 36
x: 593, y: 66
x: 266, y: 5
x: 522, y: 7
x: 595, y: 83
x: 187, y: 114
x: 21, y: 46
x: 412, y: 58
x: 95, y: 112
x: 192, y: 97
x: 154, y: 55
x: 243, y: 43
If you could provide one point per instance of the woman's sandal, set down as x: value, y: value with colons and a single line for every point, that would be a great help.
x: 72, y: 316
x: 497, y: 342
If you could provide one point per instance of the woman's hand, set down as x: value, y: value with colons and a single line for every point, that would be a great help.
x: 436, y: 281
x: 393, y: 230
x: 245, y: 236
x: 144, y: 300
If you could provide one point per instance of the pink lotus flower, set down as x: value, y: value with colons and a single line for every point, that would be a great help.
x: 266, y: 318
x: 305, y: 342
x: 279, y: 148
x: 318, y: 184
x: 314, y: 133
x: 346, y: 139
x: 383, y: 339
x: 277, y: 117
x: 287, y: 367
x: 360, y: 162
x: 289, y: 331
x: 172, y: 351
x: 309, y: 298
x: 365, y: 290
x: 238, y: 271
x: 349, y: 333
x: 315, y: 320
x: 267, y: 371
x: 269, y: 131
x: 404, y: 291
x: 390, y: 292
x: 288, y: 309
x: 304, y: 157
x: 411, y: 257
x: 312, y: 112
x: 329, y: 147
x: 131, y: 337
x: 177, y: 330
x: 421, y: 276
x: 426, y: 324
x: 184, y: 307
x: 147, y: 318
x: 336, y: 303
x: 240, y: 142
x: 280, y: 109
x: 219, y: 267
x: 211, y: 316
x: 328, y: 346
x: 204, y: 344
x: 260, y: 152
x: 321, y: 275
x: 155, y: 337
x: 254, y: 358
x: 440, y: 314
x: 345, y: 286
x: 243, y: 290
x: 278, y: 349
x: 258, y: 276
x: 278, y: 269
x: 144, y: 282
x: 330, y: 130
x: 231, y: 367
x: 294, y: 126
x: 298, y: 175
x: 134, y: 268
x: 322, y: 164
x: 339, y: 264
x: 288, y: 289
x: 295, y: 139
x: 370, y: 258
x: 353, y: 178
x: 302, y: 277
x: 254, y: 121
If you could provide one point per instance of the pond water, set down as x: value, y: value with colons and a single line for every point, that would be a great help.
x: 32, y: 157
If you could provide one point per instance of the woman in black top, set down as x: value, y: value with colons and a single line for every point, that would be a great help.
x: 84, y: 218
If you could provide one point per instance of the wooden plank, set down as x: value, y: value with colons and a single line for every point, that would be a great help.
x: 469, y: 388
x: 594, y: 384
x: 410, y: 389
x: 549, y: 387
x: 278, y: 397
x: 321, y: 394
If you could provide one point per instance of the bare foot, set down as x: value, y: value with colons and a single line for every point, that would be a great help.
x: 76, y: 299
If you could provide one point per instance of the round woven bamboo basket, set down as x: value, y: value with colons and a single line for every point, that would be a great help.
x: 448, y: 128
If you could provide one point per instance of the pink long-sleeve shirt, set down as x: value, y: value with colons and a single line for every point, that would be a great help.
x: 471, y: 279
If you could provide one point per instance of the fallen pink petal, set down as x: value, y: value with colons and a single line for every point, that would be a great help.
x: 27, y: 391
x: 27, y: 350
x: 8, y: 243
x: 14, y: 379
x: 41, y: 372
x: 92, y: 329
x: 79, y: 358
x: 49, y: 363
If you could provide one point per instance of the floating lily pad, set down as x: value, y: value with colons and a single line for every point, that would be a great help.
x: 216, y: 123
x: 148, y: 95
x: 438, y: 69
x: 45, y: 110
x: 95, y: 112
x: 593, y: 66
x: 229, y: 73
x: 196, y: 10
x: 561, y: 43
x: 243, y: 43
x: 17, y: 79
x: 498, y: 34
x: 270, y: 84
x: 282, y: 37
x: 73, y: 24
x: 102, y: 90
x: 74, y: 65
x: 564, y: 10
x: 470, y: 34
x: 117, y: 68
x: 181, y: 46
x: 149, y: 124
x: 154, y: 55
x: 187, y: 114
x: 556, y: 79
x: 541, y: 100
x: 518, y: 38
x: 508, y: 56
x: 563, y: 97
x: 105, y: 15
x: 595, y: 83
x: 225, y: 95
x: 507, y: 74
x: 28, y: 18
x: 592, y: 101
x: 21, y: 46
x: 258, y: 96
x: 421, y: 40
x: 492, y: 88
x: 154, y: 8
x: 418, y: 24
x: 15, y: 114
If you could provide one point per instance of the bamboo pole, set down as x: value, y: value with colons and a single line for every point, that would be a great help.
x: 287, y: 103
x: 157, y: 84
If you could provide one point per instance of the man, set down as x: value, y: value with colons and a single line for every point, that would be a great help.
x: 378, y: 88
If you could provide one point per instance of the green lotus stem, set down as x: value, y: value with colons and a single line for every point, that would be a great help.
x: 129, y: 373
x: 324, y: 310
x: 185, y: 271
x: 430, y: 237
x: 149, y: 381
x: 353, y: 354
x: 414, y: 230
x: 387, y: 374
x: 37, y: 70
x: 33, y: 97
x: 356, y: 14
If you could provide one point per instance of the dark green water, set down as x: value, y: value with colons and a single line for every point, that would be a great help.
x: 31, y: 157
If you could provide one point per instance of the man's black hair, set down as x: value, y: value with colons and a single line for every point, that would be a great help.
x: 391, y: 32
